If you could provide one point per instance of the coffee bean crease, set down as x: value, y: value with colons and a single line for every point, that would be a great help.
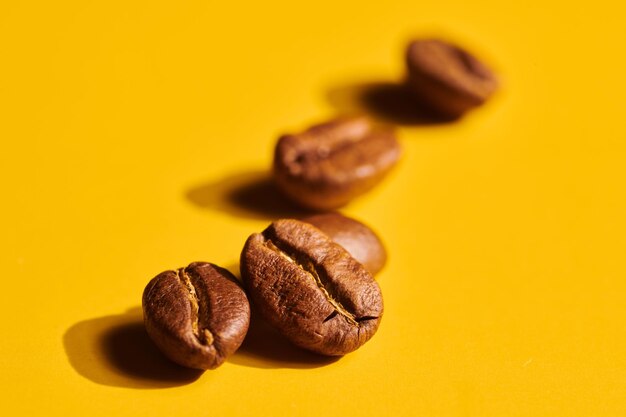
x: 308, y: 267
x: 197, y: 315
x: 203, y: 335
x: 310, y: 288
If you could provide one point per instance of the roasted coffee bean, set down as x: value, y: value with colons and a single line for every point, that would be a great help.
x: 197, y: 316
x: 329, y: 164
x: 310, y: 288
x: 358, y: 239
x: 446, y: 78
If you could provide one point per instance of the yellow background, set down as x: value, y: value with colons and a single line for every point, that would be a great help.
x: 136, y: 137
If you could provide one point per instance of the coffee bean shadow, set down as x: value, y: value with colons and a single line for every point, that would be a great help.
x: 386, y: 102
x: 116, y: 351
x: 264, y: 347
x: 249, y: 194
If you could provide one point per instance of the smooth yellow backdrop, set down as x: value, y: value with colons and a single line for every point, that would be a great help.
x: 136, y: 137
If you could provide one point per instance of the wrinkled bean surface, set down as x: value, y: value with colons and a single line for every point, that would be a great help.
x: 197, y: 316
x: 329, y: 164
x: 310, y: 288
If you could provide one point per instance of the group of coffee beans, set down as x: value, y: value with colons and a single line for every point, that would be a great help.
x: 311, y: 279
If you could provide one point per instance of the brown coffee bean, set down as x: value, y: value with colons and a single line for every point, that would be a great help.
x: 197, y: 316
x: 310, y: 288
x: 329, y: 164
x: 446, y: 78
x: 358, y: 239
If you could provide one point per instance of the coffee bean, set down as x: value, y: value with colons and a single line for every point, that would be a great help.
x: 446, y: 78
x: 358, y: 239
x: 329, y: 164
x: 310, y: 288
x: 197, y: 316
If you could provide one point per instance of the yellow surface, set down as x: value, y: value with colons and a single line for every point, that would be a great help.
x: 135, y: 138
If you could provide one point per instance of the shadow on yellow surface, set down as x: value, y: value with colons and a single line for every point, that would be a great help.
x: 115, y: 350
x: 249, y: 194
x: 264, y: 347
x: 385, y: 101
